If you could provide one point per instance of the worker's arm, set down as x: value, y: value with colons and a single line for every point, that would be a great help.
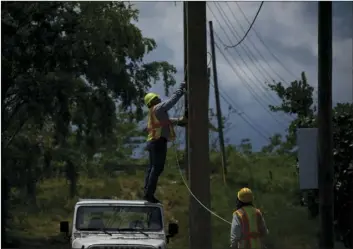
x: 169, y: 103
x: 235, y: 232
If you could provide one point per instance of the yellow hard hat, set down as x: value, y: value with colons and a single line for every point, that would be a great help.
x: 149, y: 97
x: 245, y: 195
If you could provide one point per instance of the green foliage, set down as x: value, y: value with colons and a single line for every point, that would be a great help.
x: 298, y: 99
x: 289, y: 227
x: 275, y: 142
x: 72, y: 94
x: 72, y: 100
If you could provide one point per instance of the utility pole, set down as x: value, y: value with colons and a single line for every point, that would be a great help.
x: 199, y: 165
x: 218, y: 105
x: 325, y: 137
x: 186, y: 152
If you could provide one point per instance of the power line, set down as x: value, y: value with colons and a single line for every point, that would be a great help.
x: 240, y: 56
x: 247, y: 161
x: 251, y: 56
x: 236, y: 35
x: 247, y: 85
x: 247, y: 32
x: 241, y: 114
x: 268, y: 49
x: 253, y: 45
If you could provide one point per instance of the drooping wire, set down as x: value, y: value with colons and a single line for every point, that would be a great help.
x: 251, y: 87
x: 251, y: 54
x: 247, y: 51
x: 186, y: 184
x: 247, y: 32
x: 268, y: 49
x: 230, y: 102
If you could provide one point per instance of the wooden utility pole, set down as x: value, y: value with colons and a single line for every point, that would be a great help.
x: 186, y: 153
x: 199, y: 166
x: 218, y: 105
x: 325, y: 138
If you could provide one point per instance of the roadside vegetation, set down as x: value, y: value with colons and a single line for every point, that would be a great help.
x: 72, y: 108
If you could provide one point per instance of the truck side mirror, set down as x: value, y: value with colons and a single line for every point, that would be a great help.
x: 173, y: 229
x: 64, y: 227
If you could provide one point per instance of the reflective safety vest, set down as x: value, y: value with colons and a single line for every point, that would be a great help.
x: 250, y: 219
x: 154, y: 126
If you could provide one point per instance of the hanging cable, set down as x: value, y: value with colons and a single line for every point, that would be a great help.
x: 187, y: 186
x: 268, y: 49
x: 253, y: 92
x: 251, y: 54
x: 237, y: 70
x: 247, y: 32
x: 247, y: 51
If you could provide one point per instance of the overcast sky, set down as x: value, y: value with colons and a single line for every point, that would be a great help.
x: 282, y: 44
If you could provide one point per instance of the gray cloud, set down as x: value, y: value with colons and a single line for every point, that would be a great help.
x: 289, y: 29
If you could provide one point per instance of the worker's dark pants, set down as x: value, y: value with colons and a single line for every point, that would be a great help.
x: 157, y: 154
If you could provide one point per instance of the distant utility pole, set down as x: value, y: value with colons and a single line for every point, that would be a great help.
x: 186, y: 153
x: 325, y: 138
x: 218, y: 105
x: 199, y: 165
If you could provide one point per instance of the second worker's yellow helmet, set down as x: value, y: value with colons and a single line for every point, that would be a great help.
x: 245, y: 195
x: 149, y: 97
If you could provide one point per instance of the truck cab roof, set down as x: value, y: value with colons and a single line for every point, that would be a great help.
x: 117, y: 202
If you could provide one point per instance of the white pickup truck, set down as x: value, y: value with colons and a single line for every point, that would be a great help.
x: 118, y: 224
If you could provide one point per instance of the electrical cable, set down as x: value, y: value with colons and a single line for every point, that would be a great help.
x: 245, y: 47
x: 209, y: 62
x: 267, y: 94
x: 249, y: 86
x: 268, y: 49
x: 251, y: 56
x: 247, y: 32
x: 188, y: 188
x: 177, y: 159
x: 195, y: 197
x: 242, y: 114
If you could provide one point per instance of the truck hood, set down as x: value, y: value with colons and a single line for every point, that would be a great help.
x: 116, y: 240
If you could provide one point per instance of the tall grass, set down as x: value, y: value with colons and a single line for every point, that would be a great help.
x: 273, y: 180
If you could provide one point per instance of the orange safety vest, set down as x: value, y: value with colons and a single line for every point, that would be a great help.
x: 154, y: 127
x: 250, y: 219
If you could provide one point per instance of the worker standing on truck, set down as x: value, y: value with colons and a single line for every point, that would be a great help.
x: 160, y: 131
x: 248, y: 224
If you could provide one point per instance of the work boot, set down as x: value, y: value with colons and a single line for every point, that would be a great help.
x: 148, y: 198
x: 155, y: 200
x: 151, y: 199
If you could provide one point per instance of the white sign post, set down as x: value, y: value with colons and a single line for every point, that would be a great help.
x: 307, y: 157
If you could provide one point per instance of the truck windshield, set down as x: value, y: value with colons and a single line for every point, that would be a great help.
x: 115, y: 218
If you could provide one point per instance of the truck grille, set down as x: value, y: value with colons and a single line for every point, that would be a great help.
x: 120, y: 247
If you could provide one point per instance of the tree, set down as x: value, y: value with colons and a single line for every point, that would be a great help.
x: 66, y: 66
x: 298, y: 99
x: 275, y: 141
x: 47, y: 46
x: 245, y: 146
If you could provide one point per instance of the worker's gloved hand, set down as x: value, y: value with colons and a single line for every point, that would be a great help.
x: 182, y: 122
x: 183, y: 85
